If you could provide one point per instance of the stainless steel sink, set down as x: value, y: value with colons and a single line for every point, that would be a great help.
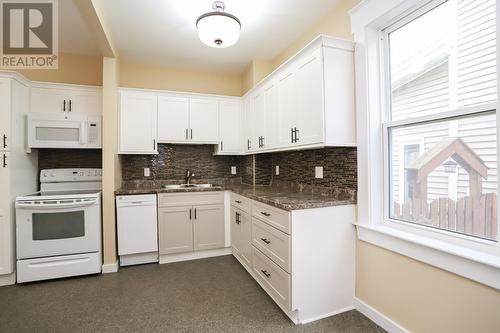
x: 181, y: 186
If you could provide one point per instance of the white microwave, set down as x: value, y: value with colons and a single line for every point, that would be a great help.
x: 61, y: 130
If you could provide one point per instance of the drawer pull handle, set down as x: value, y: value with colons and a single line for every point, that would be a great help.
x: 265, y: 214
x: 265, y: 240
x: 268, y: 275
x: 237, y: 201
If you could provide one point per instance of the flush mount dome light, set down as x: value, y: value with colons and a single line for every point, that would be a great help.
x: 218, y: 29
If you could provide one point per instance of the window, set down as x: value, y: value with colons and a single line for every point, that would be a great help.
x: 442, y: 89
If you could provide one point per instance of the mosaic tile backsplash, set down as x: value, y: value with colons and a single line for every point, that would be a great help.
x: 173, y: 160
x: 69, y: 158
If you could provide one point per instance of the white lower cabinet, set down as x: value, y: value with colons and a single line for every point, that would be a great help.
x: 6, y: 223
x: 304, y: 259
x: 190, y: 222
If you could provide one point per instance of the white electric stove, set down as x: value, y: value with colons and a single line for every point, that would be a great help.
x: 58, y: 230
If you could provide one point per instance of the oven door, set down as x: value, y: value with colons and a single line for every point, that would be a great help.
x: 51, y: 228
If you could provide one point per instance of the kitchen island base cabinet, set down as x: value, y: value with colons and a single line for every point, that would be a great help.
x: 190, y: 225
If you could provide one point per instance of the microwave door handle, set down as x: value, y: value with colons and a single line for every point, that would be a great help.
x: 83, y: 132
x: 56, y: 205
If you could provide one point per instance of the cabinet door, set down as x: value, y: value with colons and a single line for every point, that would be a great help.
x: 138, y: 117
x: 271, y: 115
x: 229, y: 127
x: 204, y: 120
x: 6, y: 227
x: 173, y: 119
x: 309, y: 80
x: 249, y: 144
x: 235, y: 230
x: 49, y: 100
x: 175, y: 228
x: 85, y: 101
x: 246, y: 238
x: 209, y: 231
x: 5, y: 111
x: 259, y: 121
x: 287, y: 107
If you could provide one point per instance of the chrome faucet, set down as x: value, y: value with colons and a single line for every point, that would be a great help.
x: 187, y: 179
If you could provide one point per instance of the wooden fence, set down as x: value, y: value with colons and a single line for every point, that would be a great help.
x: 468, y: 215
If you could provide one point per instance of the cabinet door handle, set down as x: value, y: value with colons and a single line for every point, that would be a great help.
x: 248, y: 144
x: 154, y: 144
x: 64, y: 106
x: 291, y: 135
x: 237, y: 201
x: 222, y: 145
x: 195, y: 213
x: 190, y: 213
x: 187, y: 134
x: 4, y: 160
x: 265, y: 214
x: 69, y: 103
x: 5, y: 141
x: 265, y: 240
x: 262, y: 145
x: 266, y: 273
x: 296, y: 134
x: 191, y: 134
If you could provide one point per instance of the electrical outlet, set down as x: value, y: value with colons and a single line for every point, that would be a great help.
x: 233, y: 170
x: 146, y: 172
x: 277, y: 170
x: 318, y: 172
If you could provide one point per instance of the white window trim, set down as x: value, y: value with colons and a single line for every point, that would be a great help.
x: 476, y: 259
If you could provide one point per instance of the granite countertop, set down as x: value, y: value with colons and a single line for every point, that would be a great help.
x: 280, y: 198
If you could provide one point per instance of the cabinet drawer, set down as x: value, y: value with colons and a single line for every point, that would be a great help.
x: 190, y: 198
x: 273, y: 243
x: 280, y: 219
x: 275, y: 279
x: 241, y: 202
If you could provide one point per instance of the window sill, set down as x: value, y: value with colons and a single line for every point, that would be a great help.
x: 475, y: 265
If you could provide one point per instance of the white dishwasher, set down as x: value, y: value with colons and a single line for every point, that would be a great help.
x: 137, y: 224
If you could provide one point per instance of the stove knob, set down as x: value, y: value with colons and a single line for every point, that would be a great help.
x: 45, y: 174
x: 53, y: 174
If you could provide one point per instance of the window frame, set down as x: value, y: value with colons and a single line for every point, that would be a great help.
x: 468, y: 256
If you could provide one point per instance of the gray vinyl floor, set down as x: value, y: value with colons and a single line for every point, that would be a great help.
x: 209, y: 295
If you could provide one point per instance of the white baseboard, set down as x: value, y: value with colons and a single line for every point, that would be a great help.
x: 8, y: 279
x: 378, y: 318
x: 110, y: 268
x: 326, y: 315
x: 176, y: 257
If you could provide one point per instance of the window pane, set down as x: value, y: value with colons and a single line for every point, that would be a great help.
x: 444, y: 174
x: 444, y: 59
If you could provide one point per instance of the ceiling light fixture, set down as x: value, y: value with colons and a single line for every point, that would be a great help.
x: 218, y: 29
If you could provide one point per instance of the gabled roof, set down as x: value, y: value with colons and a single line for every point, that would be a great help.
x: 454, y: 148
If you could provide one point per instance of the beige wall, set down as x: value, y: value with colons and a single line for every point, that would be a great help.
x: 423, y: 298
x: 156, y: 77
x: 73, y: 68
x: 110, y: 160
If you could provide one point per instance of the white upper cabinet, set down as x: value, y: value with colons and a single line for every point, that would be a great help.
x: 173, y: 119
x: 259, y: 121
x: 271, y: 121
x: 61, y: 99
x: 247, y: 130
x: 5, y: 111
x: 138, y: 123
x: 287, y: 108
x: 204, y: 120
x: 230, y: 115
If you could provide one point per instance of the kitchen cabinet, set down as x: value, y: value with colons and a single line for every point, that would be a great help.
x: 5, y: 108
x: 259, y: 120
x: 247, y: 132
x: 175, y: 229
x: 241, y: 236
x: 300, y: 258
x: 271, y: 122
x: 204, y: 120
x: 230, y: 126
x: 66, y: 99
x: 190, y: 222
x: 173, y: 119
x: 208, y: 227
x: 138, y: 123
x: 287, y: 107
x: 6, y: 222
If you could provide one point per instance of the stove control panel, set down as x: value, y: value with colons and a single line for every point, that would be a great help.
x: 70, y: 175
